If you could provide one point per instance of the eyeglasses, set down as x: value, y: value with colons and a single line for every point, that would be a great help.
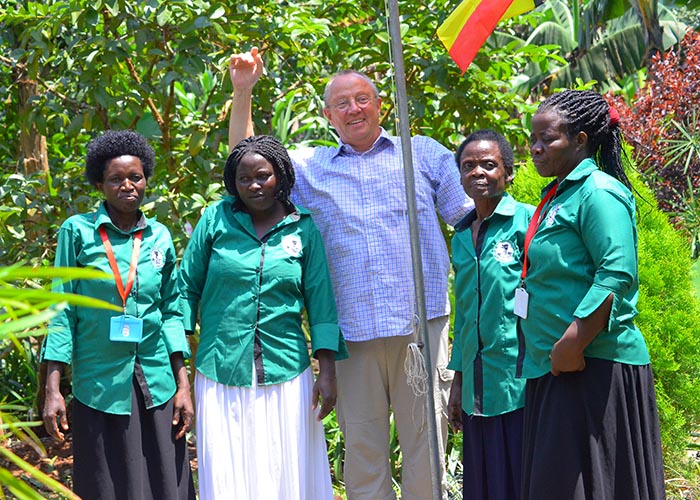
x: 361, y: 101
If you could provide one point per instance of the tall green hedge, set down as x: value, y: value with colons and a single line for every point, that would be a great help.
x: 669, y: 311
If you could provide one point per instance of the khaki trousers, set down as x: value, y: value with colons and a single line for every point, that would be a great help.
x: 371, y: 384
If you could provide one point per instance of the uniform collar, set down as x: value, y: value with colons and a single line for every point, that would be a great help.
x: 102, y: 217
x: 505, y: 208
x: 243, y: 219
x: 295, y: 215
x: 582, y: 170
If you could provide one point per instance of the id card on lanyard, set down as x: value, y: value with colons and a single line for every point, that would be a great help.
x: 522, y: 298
x: 125, y: 328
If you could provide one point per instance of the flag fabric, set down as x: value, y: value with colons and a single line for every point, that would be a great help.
x: 467, y: 28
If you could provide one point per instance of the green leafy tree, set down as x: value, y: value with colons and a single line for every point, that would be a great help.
x: 601, y: 41
x: 160, y: 68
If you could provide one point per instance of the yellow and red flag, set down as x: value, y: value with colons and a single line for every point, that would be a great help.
x: 467, y: 28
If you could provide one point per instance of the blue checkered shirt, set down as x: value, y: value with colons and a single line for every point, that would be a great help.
x: 358, y: 202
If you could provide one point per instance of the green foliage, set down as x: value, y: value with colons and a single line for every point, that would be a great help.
x: 160, y: 68
x: 695, y: 277
x: 668, y: 318
x: 25, y: 306
x: 668, y: 312
x: 601, y: 41
x: 662, y: 125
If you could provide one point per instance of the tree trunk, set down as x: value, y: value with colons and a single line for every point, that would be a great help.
x: 33, y: 156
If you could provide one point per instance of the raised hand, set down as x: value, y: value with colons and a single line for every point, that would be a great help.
x: 245, y: 69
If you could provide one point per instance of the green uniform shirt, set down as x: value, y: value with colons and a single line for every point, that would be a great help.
x: 485, y: 347
x: 250, y: 294
x: 103, y: 369
x: 584, y: 250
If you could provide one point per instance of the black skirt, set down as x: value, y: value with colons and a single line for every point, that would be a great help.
x: 593, y: 435
x: 129, y: 457
x: 492, y: 456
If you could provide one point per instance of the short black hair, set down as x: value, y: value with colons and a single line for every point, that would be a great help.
x: 504, y: 146
x: 274, y: 152
x: 587, y: 111
x: 113, y: 144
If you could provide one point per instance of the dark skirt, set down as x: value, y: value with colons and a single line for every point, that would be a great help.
x: 491, y: 450
x: 593, y: 435
x: 129, y: 457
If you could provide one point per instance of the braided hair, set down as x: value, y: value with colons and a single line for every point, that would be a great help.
x: 275, y: 153
x: 113, y: 144
x: 587, y: 111
x: 504, y: 146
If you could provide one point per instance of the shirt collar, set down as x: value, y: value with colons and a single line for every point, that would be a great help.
x: 102, y: 217
x: 242, y: 215
x: 582, y: 170
x: 505, y: 208
x: 296, y: 214
x: 383, y: 141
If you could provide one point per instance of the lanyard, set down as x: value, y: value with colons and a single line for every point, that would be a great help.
x: 534, y: 225
x: 123, y: 293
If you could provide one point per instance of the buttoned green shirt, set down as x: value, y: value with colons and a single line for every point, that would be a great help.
x: 250, y: 294
x: 584, y: 250
x: 485, y: 347
x: 102, y: 369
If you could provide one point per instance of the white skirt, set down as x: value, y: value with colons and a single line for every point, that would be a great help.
x: 260, y: 442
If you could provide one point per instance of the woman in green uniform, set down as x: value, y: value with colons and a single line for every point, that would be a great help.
x: 486, y: 399
x: 131, y: 394
x: 591, y: 422
x: 254, y: 264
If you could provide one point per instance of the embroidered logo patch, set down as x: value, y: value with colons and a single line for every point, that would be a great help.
x: 292, y: 245
x: 503, y: 251
x: 551, y: 215
x: 157, y: 258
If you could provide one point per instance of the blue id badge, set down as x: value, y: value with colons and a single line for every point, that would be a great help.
x: 126, y: 329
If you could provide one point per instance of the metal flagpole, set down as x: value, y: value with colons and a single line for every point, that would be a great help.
x: 409, y: 179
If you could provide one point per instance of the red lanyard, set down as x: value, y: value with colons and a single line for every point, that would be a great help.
x: 123, y: 293
x: 534, y: 225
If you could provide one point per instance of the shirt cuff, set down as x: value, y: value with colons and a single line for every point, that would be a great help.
x: 595, y: 296
x: 328, y: 336
x: 175, y: 339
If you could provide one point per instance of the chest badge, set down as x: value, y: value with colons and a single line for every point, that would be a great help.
x: 157, y: 258
x: 503, y: 251
x: 551, y: 215
x: 291, y: 244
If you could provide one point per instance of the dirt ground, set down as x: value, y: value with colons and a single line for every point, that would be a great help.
x: 57, y: 463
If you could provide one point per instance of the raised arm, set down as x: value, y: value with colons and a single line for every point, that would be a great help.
x: 245, y: 70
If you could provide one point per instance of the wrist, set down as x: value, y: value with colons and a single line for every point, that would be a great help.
x: 242, y: 91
